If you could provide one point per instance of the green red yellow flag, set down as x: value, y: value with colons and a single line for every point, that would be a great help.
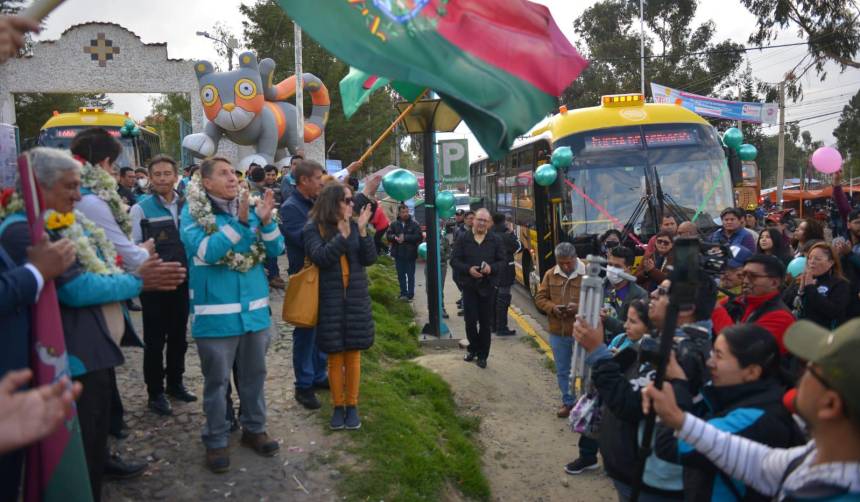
x: 499, y: 64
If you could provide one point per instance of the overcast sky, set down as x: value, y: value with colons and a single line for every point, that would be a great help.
x: 176, y: 22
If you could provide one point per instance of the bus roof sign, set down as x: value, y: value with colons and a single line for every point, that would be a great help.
x: 619, y: 100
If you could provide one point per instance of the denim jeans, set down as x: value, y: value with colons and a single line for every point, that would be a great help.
x: 272, y: 267
x: 216, y: 363
x: 309, y: 364
x: 562, y: 351
x: 406, y: 276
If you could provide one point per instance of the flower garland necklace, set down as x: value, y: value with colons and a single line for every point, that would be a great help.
x: 11, y: 202
x: 200, y: 208
x: 94, y: 251
x: 103, y: 186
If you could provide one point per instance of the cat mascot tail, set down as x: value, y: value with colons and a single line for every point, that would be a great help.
x: 286, y: 89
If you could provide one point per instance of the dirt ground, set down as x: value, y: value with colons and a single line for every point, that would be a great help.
x: 525, y: 445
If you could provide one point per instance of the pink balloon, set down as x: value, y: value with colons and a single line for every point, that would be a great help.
x: 827, y: 160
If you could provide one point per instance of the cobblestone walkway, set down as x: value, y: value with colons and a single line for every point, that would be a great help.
x: 303, y: 470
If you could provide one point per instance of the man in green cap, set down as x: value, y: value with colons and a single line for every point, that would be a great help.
x: 828, y: 400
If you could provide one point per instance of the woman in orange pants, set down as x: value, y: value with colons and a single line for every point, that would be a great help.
x: 340, y: 246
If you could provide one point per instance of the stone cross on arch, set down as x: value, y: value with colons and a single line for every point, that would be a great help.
x: 101, y: 49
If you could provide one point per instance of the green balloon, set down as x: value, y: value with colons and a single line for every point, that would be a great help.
x: 135, y: 132
x: 747, y: 152
x: 545, y: 175
x: 422, y: 250
x: 562, y: 157
x: 445, y: 212
x: 444, y: 200
x: 400, y: 184
x: 733, y: 137
x: 128, y: 123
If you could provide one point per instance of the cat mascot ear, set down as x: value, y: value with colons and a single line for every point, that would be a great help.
x: 248, y: 60
x: 202, y: 68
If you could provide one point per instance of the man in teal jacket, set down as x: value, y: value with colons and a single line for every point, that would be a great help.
x: 226, y: 244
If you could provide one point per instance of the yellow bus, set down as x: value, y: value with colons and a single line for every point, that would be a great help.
x: 633, y: 161
x: 61, y: 128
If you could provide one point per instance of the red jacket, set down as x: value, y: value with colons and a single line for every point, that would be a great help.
x: 775, y: 321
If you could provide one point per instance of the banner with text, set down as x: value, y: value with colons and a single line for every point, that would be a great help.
x: 760, y: 113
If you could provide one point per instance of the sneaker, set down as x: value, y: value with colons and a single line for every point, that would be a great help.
x: 469, y: 357
x: 117, y: 468
x: 338, y: 418
x: 308, y: 399
x: 564, y: 411
x: 482, y: 363
x: 261, y: 443
x: 160, y: 405
x: 218, y: 460
x: 352, y: 422
x: 581, y: 465
x: 445, y: 314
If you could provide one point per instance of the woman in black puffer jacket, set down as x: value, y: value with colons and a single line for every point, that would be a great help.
x: 342, y: 248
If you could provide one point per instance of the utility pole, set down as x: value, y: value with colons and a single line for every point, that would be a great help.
x: 642, y: 47
x: 780, y: 156
x: 740, y: 98
x: 300, y: 94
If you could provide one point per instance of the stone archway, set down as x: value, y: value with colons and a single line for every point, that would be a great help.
x: 101, y: 57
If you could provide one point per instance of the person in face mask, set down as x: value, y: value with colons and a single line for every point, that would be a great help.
x: 608, y: 240
x: 141, y: 184
x: 620, y: 292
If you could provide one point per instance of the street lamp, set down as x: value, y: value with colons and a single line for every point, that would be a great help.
x: 231, y: 44
x: 427, y: 117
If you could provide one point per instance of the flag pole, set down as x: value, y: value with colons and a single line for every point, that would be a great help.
x: 390, y: 128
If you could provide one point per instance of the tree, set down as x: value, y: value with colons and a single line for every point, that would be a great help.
x: 167, y: 111
x: 269, y: 31
x: 34, y: 109
x: 677, y: 55
x: 830, y: 27
x: 848, y: 133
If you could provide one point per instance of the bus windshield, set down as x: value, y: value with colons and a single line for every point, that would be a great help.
x: 616, y: 170
x: 61, y: 137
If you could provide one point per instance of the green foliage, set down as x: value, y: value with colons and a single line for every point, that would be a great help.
x: 167, y: 110
x: 610, y: 30
x: 412, y: 442
x: 269, y: 32
x: 34, y: 109
x: 848, y: 133
x: 831, y: 28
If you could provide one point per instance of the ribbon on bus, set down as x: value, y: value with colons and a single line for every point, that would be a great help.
x: 602, y: 210
x: 710, y: 192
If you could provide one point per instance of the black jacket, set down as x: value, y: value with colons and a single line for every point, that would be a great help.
x: 468, y: 253
x: 825, y: 303
x: 753, y: 410
x: 345, y: 318
x: 411, y: 238
x: 511, y: 245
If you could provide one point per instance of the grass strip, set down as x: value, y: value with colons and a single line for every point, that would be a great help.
x: 413, y: 444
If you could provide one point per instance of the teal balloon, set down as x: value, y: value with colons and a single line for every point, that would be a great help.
x: 128, y: 123
x: 446, y: 212
x: 733, y: 137
x: 562, y: 157
x: 422, y: 250
x: 445, y: 200
x: 797, y: 266
x: 747, y: 152
x: 545, y: 175
x: 135, y: 132
x: 400, y: 184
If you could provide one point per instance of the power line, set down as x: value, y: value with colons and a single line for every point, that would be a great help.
x: 703, y: 53
x: 815, y: 116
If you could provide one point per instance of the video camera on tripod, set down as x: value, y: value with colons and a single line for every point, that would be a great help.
x: 591, y: 302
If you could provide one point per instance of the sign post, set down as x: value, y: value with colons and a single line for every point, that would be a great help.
x: 454, y: 161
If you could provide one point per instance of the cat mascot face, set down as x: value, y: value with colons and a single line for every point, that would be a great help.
x: 247, y: 108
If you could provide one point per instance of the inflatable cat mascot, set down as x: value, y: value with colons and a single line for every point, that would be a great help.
x: 245, y: 107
